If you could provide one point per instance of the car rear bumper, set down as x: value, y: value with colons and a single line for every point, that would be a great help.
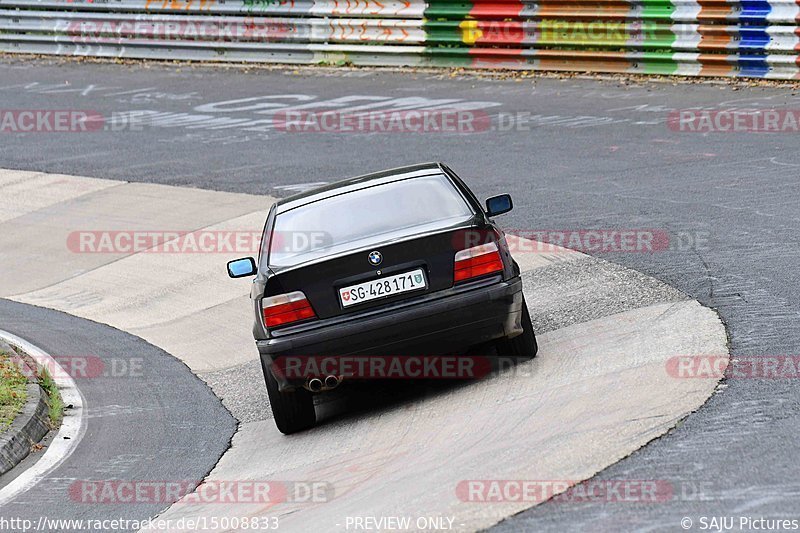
x: 445, y: 324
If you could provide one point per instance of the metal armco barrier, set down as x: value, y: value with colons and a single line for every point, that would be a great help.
x: 759, y: 39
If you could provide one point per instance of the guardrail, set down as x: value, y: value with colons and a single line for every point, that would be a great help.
x: 751, y: 38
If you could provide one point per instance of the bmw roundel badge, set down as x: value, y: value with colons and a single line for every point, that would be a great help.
x: 375, y: 258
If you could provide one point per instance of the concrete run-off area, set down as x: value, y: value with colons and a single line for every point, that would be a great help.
x: 599, y: 389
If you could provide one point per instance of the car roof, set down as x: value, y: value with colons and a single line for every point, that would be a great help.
x: 359, y: 182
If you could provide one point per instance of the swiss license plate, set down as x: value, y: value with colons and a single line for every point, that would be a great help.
x: 382, y: 287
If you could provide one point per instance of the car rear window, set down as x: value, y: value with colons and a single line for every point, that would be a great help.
x: 368, y: 216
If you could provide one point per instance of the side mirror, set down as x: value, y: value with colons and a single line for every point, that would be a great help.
x: 497, y: 205
x: 240, y: 268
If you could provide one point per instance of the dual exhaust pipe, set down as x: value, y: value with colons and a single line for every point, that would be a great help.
x: 318, y: 385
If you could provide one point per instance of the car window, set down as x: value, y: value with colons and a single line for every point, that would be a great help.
x: 374, y: 214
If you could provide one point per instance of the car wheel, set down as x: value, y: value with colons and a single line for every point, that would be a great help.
x: 522, y: 346
x: 293, y: 410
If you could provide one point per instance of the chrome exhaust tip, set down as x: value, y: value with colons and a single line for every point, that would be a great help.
x: 315, y: 385
x: 331, y: 382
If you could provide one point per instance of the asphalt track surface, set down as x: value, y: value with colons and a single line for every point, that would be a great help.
x: 135, y: 422
x: 596, y: 155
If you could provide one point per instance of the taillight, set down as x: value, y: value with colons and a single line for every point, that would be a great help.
x: 477, y: 261
x: 286, y: 308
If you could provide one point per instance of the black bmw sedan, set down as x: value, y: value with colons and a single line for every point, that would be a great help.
x: 404, y: 262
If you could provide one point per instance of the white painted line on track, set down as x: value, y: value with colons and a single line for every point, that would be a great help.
x: 73, y: 425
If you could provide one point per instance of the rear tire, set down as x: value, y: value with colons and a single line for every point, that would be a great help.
x: 523, y: 346
x: 293, y: 410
